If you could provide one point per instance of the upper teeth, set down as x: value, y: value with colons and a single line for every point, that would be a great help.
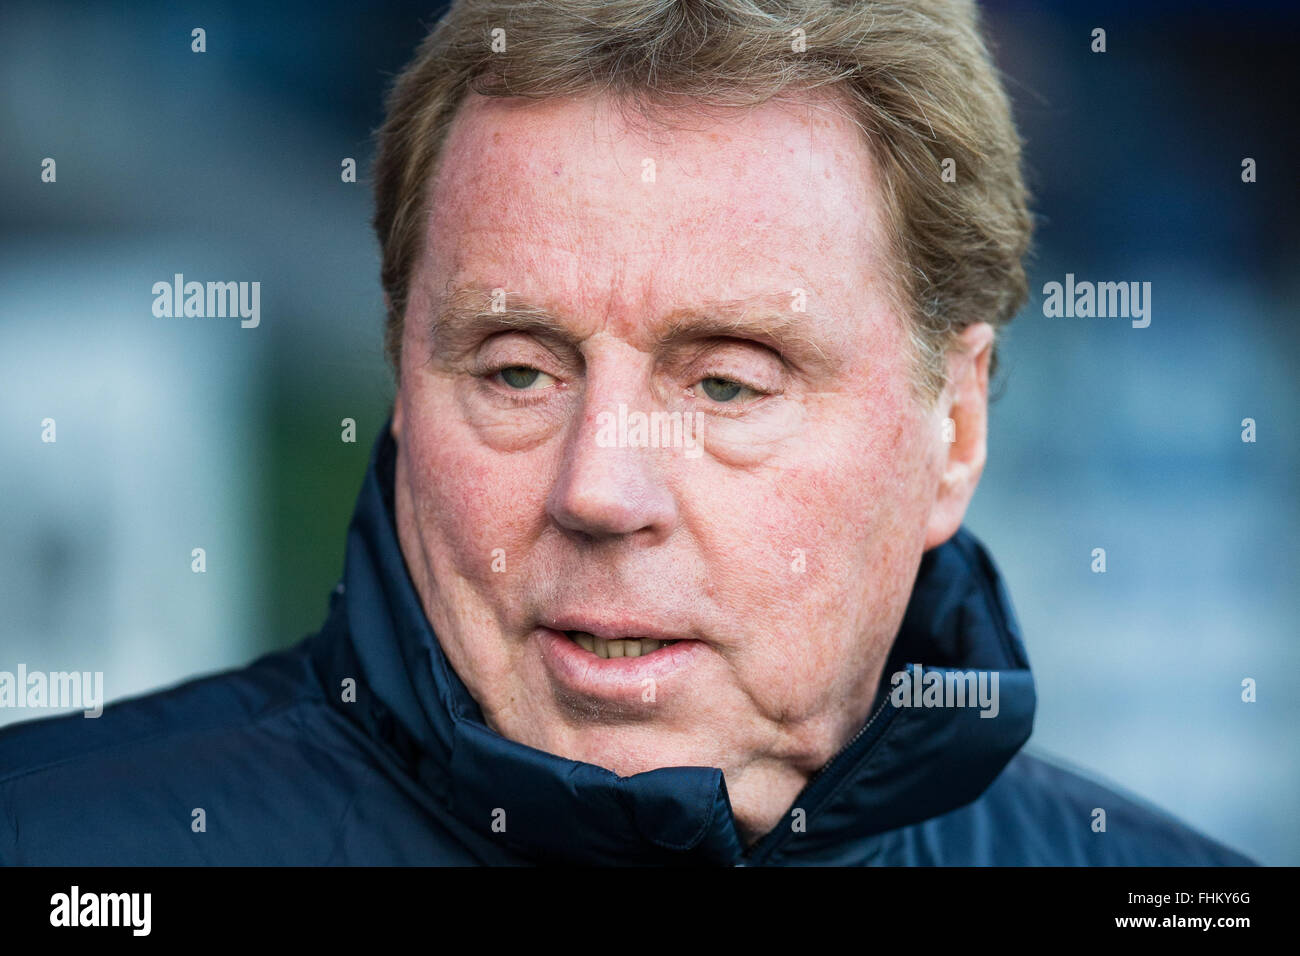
x: 625, y: 647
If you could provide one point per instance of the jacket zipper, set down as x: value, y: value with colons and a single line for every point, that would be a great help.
x: 766, y: 846
x: 853, y: 740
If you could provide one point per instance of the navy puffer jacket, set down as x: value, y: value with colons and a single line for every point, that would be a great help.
x: 287, y: 772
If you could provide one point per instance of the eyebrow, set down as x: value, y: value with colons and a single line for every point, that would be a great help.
x: 466, y: 315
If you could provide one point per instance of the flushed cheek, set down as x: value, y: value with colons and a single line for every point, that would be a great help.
x: 792, y: 675
x: 809, y: 653
x: 476, y: 509
x: 795, y: 623
x: 815, y: 563
x: 781, y: 539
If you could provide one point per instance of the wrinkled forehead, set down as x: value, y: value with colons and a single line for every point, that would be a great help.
x: 594, y: 209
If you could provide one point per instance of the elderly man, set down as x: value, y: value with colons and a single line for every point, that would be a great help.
x: 692, y: 308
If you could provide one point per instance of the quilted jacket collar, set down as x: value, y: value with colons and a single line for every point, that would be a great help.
x: 906, y: 765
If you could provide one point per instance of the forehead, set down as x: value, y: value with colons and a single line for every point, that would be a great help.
x: 588, y: 206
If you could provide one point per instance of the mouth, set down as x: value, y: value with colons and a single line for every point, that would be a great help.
x: 624, y: 662
x: 606, y: 648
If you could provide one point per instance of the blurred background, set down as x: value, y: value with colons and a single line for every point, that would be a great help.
x: 226, y: 166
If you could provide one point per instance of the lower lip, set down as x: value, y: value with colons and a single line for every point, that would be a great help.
x: 579, y: 671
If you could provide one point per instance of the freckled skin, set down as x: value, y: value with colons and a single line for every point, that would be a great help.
x: 837, y: 459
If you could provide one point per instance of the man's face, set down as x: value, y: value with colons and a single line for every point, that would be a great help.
x: 777, y: 538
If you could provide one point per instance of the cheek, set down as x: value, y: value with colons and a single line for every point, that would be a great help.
x: 884, y: 496
x: 831, y: 511
x: 474, y: 508
x: 819, y: 552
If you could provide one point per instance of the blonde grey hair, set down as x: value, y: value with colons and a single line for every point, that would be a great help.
x: 916, y: 76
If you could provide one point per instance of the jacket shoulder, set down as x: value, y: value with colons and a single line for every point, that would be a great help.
x: 125, y: 787
x: 225, y: 699
x: 1039, y: 813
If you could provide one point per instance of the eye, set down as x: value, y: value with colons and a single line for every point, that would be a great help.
x: 723, y: 390
x: 523, y: 378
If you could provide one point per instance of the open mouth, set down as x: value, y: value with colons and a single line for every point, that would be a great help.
x: 622, y: 647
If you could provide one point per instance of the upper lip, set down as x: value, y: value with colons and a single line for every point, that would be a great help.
x: 613, y: 629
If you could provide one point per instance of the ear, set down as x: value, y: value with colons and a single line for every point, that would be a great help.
x: 965, y: 400
x: 395, y: 428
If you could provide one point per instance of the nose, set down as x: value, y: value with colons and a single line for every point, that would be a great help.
x: 605, y: 488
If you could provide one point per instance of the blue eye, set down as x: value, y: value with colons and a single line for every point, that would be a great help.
x: 521, y: 377
x: 721, y: 389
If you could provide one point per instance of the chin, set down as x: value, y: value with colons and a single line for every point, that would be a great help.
x: 632, y: 749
